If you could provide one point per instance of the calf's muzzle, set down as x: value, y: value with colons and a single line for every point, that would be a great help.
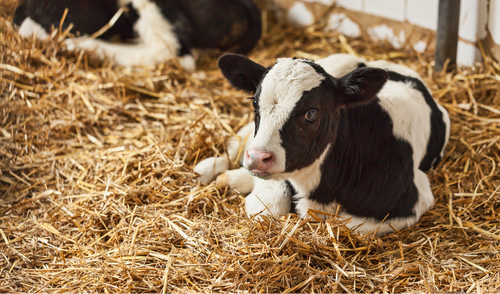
x: 259, y: 162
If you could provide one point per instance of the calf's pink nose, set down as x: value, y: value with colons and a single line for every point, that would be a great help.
x: 259, y: 160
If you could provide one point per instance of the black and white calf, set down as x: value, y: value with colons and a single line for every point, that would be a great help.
x: 160, y: 29
x: 361, y: 142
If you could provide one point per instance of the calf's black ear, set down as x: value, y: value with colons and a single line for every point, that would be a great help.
x: 361, y: 85
x: 241, y: 72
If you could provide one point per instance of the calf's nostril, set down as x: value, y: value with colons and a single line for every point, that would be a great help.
x: 267, y: 158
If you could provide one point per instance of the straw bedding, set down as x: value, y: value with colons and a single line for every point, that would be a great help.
x: 98, y: 193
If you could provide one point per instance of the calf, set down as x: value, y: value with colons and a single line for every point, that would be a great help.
x: 162, y: 29
x: 359, y: 143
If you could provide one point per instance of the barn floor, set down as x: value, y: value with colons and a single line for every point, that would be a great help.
x: 98, y: 194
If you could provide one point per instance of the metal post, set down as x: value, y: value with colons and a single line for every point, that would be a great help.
x: 447, y: 33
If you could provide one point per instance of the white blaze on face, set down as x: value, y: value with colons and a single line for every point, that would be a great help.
x: 281, y: 89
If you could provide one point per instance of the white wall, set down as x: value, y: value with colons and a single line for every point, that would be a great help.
x: 494, y: 20
x: 474, y: 19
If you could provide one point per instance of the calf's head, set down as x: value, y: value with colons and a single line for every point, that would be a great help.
x: 297, y: 108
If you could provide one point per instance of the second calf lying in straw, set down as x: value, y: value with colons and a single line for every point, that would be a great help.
x: 151, y: 31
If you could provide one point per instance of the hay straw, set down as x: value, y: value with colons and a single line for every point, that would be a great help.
x: 98, y: 192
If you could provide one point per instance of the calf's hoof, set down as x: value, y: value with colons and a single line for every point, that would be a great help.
x: 209, y: 168
x: 237, y: 179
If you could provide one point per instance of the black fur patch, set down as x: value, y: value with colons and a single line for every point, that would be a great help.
x: 438, y: 127
x: 292, y: 193
x: 241, y: 72
x: 233, y: 25
x: 368, y: 171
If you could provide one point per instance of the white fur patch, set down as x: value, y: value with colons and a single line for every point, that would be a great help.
x: 447, y: 122
x: 338, y: 65
x: 269, y: 197
x: 122, y: 54
x: 401, y: 69
x: 282, y: 88
x: 425, y: 196
x: 306, y: 204
x: 29, y: 27
x: 410, y: 114
x: 154, y: 29
x: 240, y: 180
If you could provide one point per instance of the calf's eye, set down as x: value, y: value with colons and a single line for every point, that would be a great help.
x: 311, y: 115
x: 254, y: 103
